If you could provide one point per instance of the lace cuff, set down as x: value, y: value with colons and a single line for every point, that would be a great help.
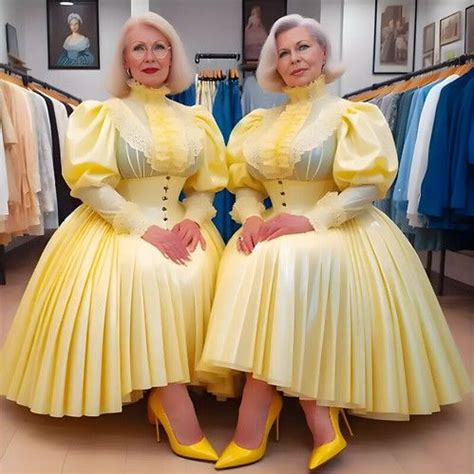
x: 328, y: 212
x: 130, y: 220
x: 248, y: 203
x: 199, y: 207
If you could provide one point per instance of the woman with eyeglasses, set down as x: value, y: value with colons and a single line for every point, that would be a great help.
x: 120, y: 298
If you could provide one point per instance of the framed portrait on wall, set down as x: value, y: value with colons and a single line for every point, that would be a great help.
x: 428, y: 59
x: 73, y: 34
x: 450, y: 29
x: 429, y: 38
x: 394, y: 36
x: 469, y: 34
x: 258, y: 17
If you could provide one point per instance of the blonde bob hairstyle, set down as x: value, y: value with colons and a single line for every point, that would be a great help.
x: 267, y: 74
x: 181, y: 74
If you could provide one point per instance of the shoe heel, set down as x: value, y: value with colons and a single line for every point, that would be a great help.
x: 277, y: 428
x: 347, y: 422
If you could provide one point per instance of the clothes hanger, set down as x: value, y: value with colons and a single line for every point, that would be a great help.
x: 12, y: 79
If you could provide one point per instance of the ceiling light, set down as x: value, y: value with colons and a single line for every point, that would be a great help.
x: 67, y: 4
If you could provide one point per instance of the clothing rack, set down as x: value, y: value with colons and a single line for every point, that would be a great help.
x: 27, y: 79
x: 460, y: 60
x: 199, y: 56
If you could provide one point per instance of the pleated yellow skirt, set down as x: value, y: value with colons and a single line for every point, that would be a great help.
x: 105, y: 316
x: 345, y: 316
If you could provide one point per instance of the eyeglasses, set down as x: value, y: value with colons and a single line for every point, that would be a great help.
x: 158, y: 50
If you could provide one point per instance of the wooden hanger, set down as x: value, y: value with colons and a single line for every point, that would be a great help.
x: 12, y: 79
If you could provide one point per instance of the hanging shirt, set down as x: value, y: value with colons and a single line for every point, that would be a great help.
x: 436, y: 187
x: 227, y: 111
x: 420, y: 153
x: 47, y: 196
x: 462, y: 171
x: 254, y: 97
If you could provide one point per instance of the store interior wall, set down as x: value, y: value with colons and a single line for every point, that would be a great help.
x: 349, y: 24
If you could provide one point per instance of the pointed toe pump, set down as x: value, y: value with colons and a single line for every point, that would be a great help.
x: 327, y: 451
x: 201, y: 451
x: 235, y: 456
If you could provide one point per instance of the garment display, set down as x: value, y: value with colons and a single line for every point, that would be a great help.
x: 86, y: 341
x: 328, y: 314
x: 254, y: 97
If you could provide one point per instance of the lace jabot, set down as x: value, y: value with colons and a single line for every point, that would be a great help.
x: 313, y: 90
x: 170, y: 138
x: 285, y: 133
x: 147, y: 94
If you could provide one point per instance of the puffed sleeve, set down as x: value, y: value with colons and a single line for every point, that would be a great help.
x: 90, y: 168
x: 248, y: 190
x: 365, y: 166
x: 212, y: 175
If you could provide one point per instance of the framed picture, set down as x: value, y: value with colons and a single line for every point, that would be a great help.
x: 450, y: 51
x: 394, y: 36
x: 428, y: 59
x: 469, y: 26
x: 12, y: 41
x: 429, y: 38
x: 258, y: 17
x: 450, y: 29
x: 73, y: 34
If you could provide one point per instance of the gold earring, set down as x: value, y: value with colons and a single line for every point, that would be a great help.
x: 129, y: 73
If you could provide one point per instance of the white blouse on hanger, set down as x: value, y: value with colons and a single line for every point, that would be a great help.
x: 421, y: 151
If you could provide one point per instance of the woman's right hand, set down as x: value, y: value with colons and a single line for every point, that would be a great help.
x: 170, y: 244
x: 250, y: 235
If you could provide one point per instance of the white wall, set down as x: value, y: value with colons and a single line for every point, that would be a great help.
x: 430, y: 11
x: 11, y: 12
x: 215, y: 26
x: 29, y: 17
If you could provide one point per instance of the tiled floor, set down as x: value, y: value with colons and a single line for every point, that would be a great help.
x: 124, y: 443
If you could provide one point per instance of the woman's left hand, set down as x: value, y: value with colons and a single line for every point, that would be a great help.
x: 284, y: 224
x: 191, y: 234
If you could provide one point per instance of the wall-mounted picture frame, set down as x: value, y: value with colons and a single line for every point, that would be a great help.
x: 73, y: 34
x: 428, y: 59
x: 469, y: 30
x: 258, y: 17
x: 394, y: 36
x: 429, y: 38
x: 450, y: 29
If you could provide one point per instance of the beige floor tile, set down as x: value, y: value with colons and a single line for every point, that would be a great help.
x: 34, y: 451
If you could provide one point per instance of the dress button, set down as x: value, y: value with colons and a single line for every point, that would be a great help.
x: 164, y: 198
x: 163, y: 209
x: 283, y: 193
x: 166, y: 188
x: 168, y: 178
x: 165, y: 219
x: 283, y: 204
x: 280, y: 182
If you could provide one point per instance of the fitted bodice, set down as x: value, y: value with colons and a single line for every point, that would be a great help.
x: 133, y: 163
x: 314, y: 165
x: 157, y: 197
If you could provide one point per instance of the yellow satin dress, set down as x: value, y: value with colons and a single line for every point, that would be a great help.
x: 345, y: 314
x: 105, y: 314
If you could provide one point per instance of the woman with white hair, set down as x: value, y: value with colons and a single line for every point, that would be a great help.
x: 321, y: 297
x: 120, y: 298
x: 76, y: 48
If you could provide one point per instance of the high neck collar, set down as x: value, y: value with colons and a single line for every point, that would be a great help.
x: 147, y: 94
x: 310, y: 91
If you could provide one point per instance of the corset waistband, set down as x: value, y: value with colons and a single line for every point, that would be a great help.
x: 157, y: 196
x: 297, y: 196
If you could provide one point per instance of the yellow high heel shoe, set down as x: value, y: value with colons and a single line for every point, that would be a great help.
x: 327, y: 451
x: 202, y: 450
x: 234, y: 455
